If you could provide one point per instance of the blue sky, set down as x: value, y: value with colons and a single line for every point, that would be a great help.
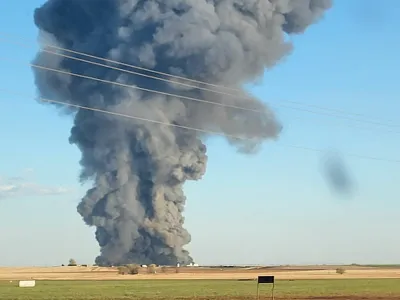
x: 271, y: 208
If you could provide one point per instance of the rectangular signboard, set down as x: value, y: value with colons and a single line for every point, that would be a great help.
x: 266, y: 279
x: 27, y: 283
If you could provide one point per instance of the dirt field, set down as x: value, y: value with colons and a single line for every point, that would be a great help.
x: 97, y: 273
x: 85, y: 283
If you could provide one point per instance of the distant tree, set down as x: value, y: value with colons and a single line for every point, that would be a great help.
x: 72, y: 263
x: 152, y: 269
x: 123, y: 270
x: 340, y: 271
x: 133, y: 269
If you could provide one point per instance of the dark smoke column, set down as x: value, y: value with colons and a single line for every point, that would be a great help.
x: 139, y: 168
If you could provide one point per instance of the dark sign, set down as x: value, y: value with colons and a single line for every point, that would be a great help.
x: 266, y: 279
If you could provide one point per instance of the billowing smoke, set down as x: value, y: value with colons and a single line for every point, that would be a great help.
x: 138, y: 167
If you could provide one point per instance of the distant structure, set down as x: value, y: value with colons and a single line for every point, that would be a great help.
x: 27, y: 283
x: 193, y: 265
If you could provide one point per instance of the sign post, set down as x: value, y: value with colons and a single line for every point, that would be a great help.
x: 265, y: 279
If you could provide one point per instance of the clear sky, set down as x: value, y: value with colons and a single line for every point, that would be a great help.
x: 270, y: 208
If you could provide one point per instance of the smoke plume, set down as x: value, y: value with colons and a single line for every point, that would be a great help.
x: 139, y: 168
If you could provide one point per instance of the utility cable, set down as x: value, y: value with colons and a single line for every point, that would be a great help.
x: 186, y: 97
x: 173, y: 76
x: 188, y: 127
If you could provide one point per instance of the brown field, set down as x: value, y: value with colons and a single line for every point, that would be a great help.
x: 85, y: 283
x: 100, y: 273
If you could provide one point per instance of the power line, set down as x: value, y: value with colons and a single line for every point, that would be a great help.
x: 201, y: 100
x: 191, y: 98
x: 188, y: 127
x: 183, y: 78
x: 127, y: 71
x: 352, y: 126
x: 177, y: 82
x: 141, y: 88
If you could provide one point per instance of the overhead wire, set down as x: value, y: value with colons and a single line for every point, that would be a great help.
x: 43, y: 48
x: 168, y: 94
x: 184, y: 97
x: 188, y: 127
x: 345, y: 125
x: 181, y: 96
x: 192, y: 98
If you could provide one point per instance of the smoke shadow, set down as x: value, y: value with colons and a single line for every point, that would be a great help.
x: 337, y: 175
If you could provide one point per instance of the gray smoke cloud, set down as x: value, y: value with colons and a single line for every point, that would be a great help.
x: 139, y: 168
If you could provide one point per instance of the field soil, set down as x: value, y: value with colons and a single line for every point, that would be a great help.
x: 100, y: 273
